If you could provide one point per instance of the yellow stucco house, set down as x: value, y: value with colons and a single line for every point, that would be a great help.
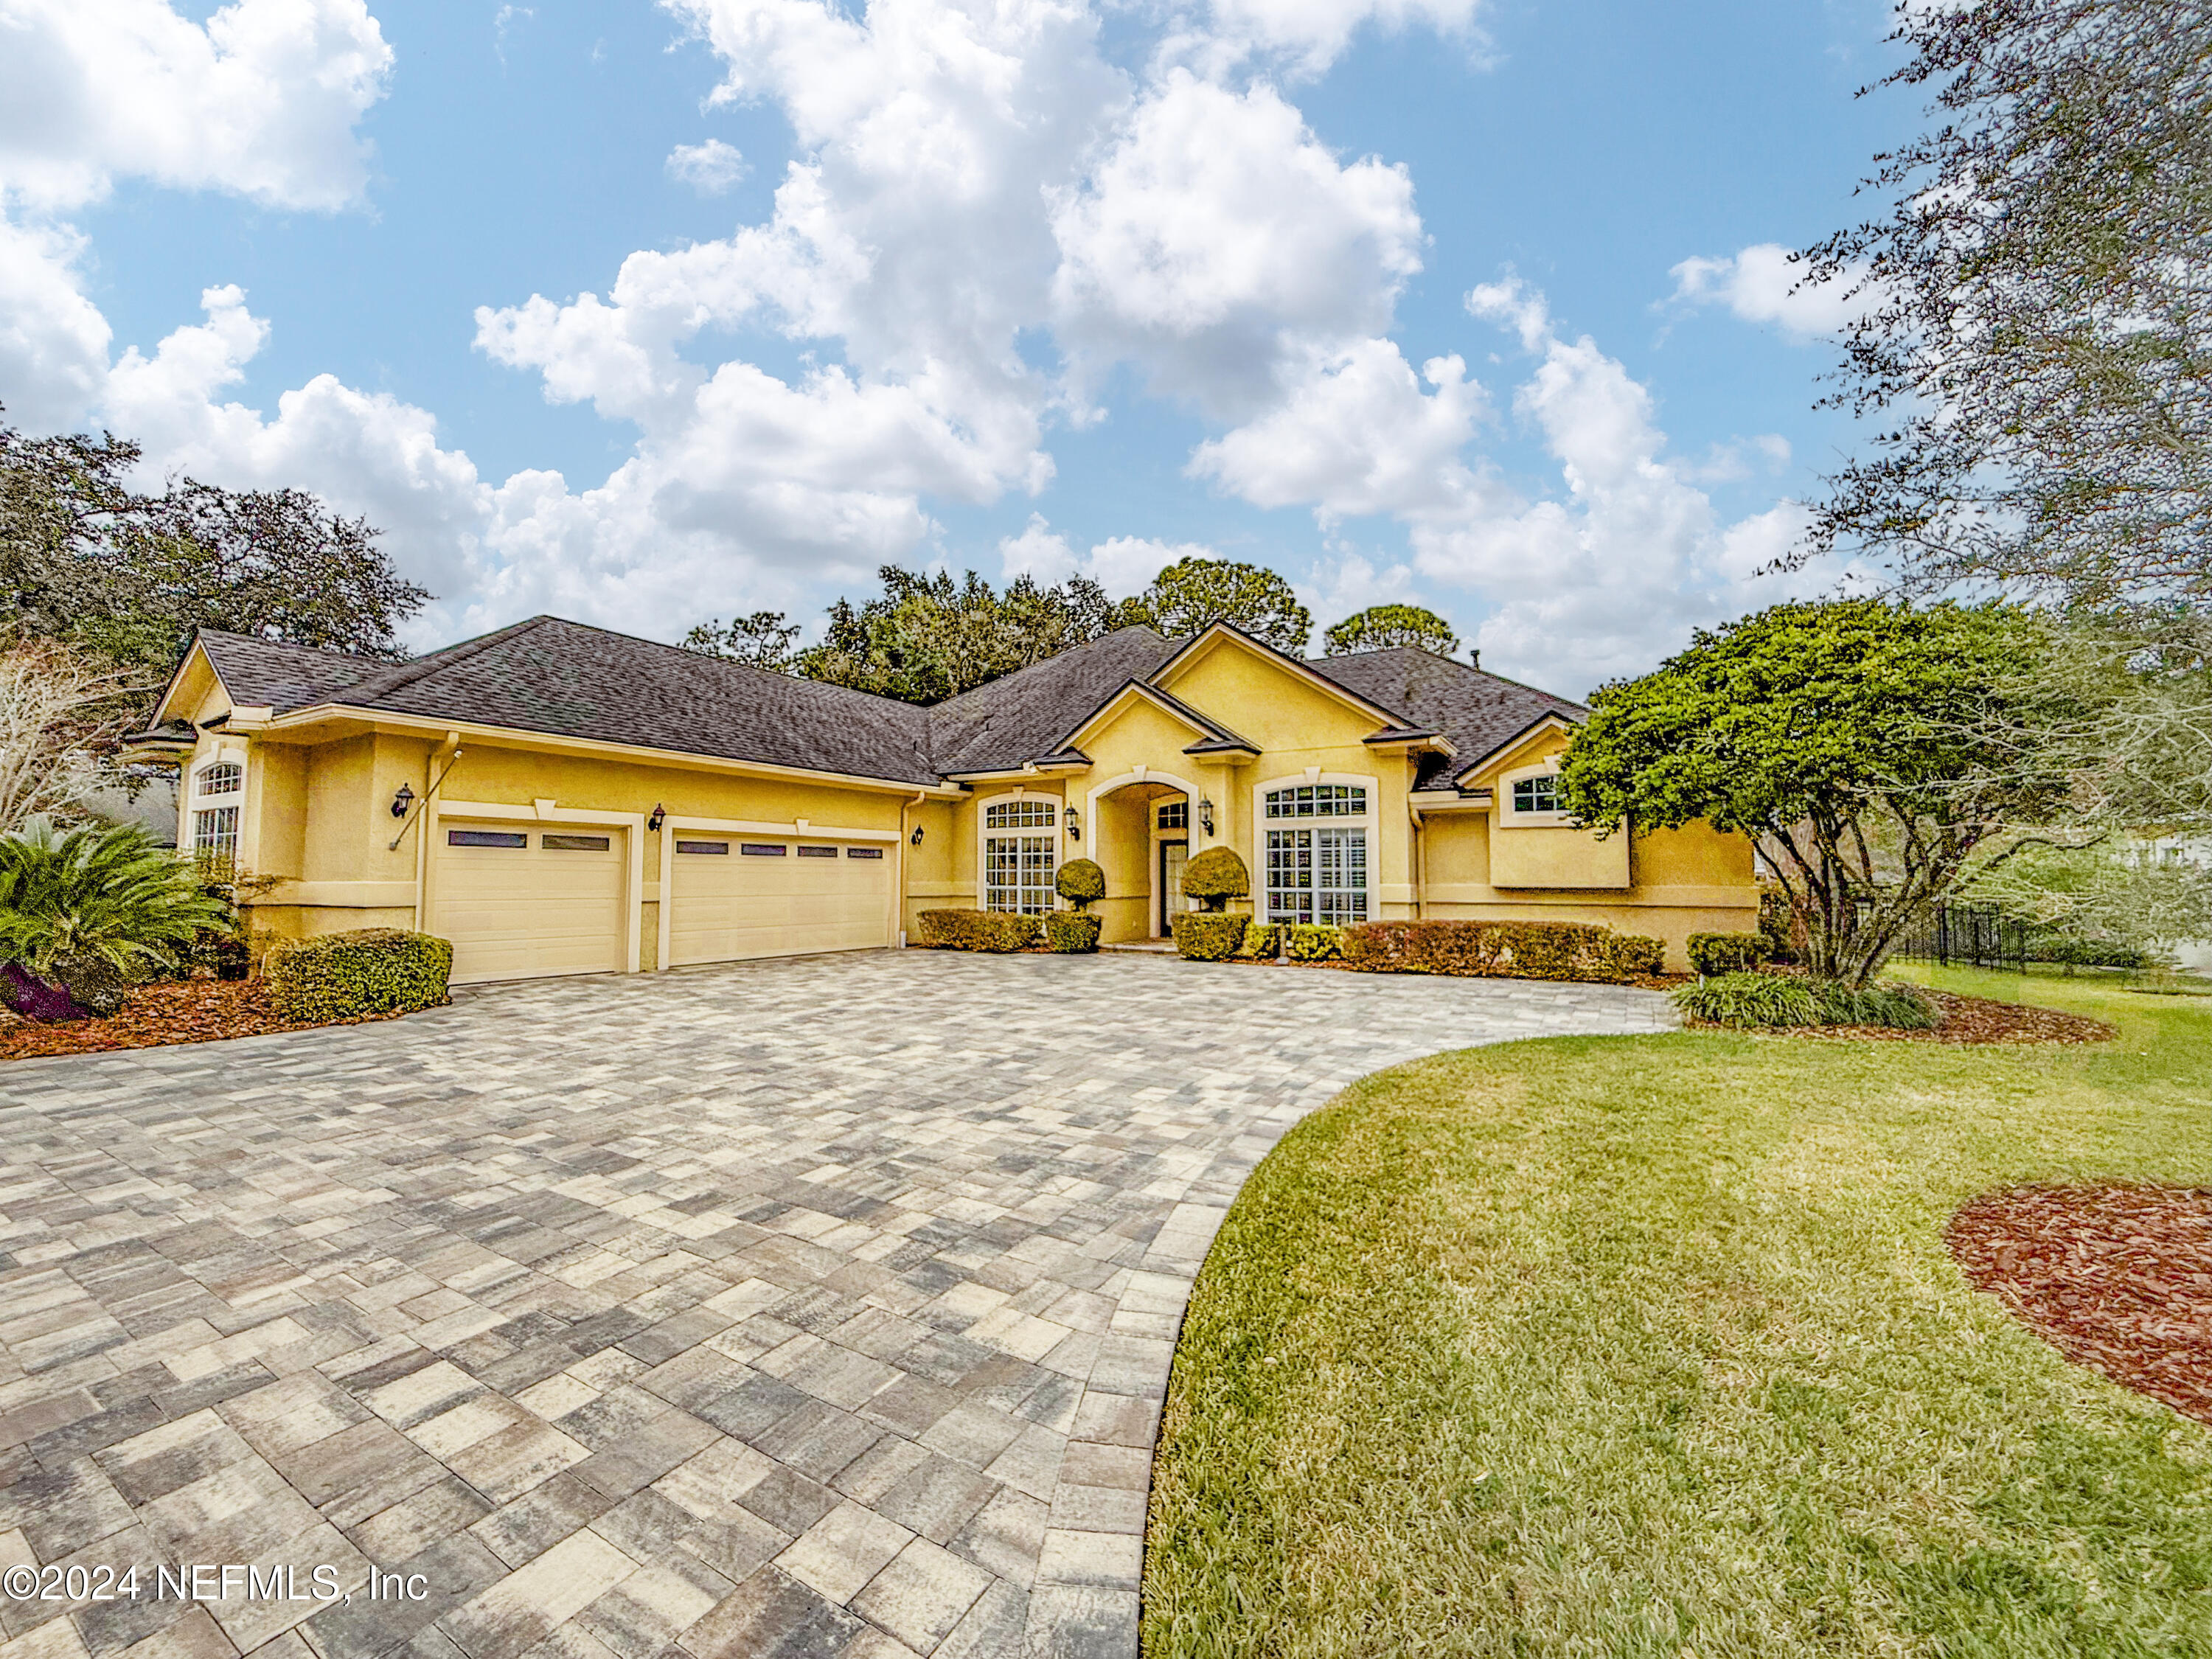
x: 556, y: 799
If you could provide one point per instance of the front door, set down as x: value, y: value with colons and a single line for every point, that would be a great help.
x: 1174, y: 854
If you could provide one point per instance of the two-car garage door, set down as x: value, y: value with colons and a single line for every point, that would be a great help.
x: 733, y: 896
x: 525, y: 900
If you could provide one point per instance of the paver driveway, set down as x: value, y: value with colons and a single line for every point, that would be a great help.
x: 803, y: 1308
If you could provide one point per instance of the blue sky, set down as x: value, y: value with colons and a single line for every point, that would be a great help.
x: 1030, y: 286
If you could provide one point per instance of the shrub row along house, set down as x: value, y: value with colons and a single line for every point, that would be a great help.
x: 556, y: 799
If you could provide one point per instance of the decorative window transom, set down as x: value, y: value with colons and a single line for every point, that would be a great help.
x: 224, y: 778
x: 1017, y: 815
x: 1318, y: 800
x: 1175, y: 814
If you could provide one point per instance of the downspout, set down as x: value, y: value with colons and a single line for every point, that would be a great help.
x: 1420, y: 863
x: 421, y: 810
x: 899, y: 898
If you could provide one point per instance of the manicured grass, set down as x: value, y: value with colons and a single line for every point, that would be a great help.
x: 1652, y: 1346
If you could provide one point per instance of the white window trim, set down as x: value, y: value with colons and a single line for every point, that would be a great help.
x: 1057, y: 830
x: 1370, y: 821
x: 199, y: 790
x: 1508, y: 818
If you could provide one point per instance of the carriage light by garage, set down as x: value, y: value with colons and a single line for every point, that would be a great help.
x: 402, y: 801
x: 916, y: 836
x: 1206, y: 814
x: 660, y: 816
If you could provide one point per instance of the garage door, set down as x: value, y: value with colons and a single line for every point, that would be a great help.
x: 734, y: 897
x: 521, y: 901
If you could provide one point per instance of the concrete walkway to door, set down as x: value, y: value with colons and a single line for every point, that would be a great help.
x: 815, y: 1308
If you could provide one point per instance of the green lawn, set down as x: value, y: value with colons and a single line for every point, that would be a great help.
x: 1620, y: 1346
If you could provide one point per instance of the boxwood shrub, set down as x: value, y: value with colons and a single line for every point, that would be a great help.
x: 1071, y: 932
x: 1215, y: 876
x: 1261, y: 942
x: 1081, y: 883
x: 999, y: 931
x: 1314, y: 942
x: 1207, y: 935
x: 1638, y: 953
x: 1726, y: 953
x: 356, y: 975
x: 1495, y: 950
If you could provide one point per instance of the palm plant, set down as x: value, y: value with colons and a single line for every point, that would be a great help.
x: 93, y: 909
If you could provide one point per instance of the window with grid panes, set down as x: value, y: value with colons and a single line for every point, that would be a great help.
x: 214, y: 839
x: 1318, y: 800
x: 1018, y: 869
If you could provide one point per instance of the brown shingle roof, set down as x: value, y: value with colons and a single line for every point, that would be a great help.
x: 570, y: 680
x: 1477, y: 711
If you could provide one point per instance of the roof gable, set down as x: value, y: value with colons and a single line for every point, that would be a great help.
x: 1478, y: 712
x: 1022, y: 717
x: 1221, y: 635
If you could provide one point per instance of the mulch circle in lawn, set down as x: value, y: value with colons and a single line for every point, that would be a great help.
x: 153, y: 1016
x: 2117, y: 1277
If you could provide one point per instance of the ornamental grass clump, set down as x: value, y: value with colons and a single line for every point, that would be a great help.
x: 86, y: 915
x: 1748, y: 1001
x: 357, y: 976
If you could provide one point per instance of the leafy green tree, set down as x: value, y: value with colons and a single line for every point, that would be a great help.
x: 1192, y: 593
x: 1380, y: 627
x: 93, y: 910
x: 762, y: 639
x: 926, y: 638
x: 127, y: 575
x: 1870, y: 748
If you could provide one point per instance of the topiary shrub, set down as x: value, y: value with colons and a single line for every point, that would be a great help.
x: 1215, y: 876
x: 1070, y: 933
x: 1638, y: 953
x: 1726, y: 953
x: 371, y: 970
x: 1207, y: 935
x: 996, y: 931
x: 1081, y: 883
x: 1314, y: 942
x: 1261, y: 942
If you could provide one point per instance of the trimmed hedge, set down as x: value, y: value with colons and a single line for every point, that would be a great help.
x: 1214, y: 877
x: 1490, y: 949
x: 2086, y: 953
x: 355, y: 975
x: 1260, y: 943
x: 1726, y: 953
x: 999, y: 931
x: 1315, y: 942
x: 1081, y: 883
x: 1638, y: 953
x: 1071, y: 932
x: 1207, y: 935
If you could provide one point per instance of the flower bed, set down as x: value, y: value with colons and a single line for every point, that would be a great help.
x: 157, y: 1015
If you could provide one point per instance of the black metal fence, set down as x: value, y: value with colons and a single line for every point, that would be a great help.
x: 1966, y: 935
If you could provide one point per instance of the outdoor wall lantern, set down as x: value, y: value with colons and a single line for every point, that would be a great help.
x: 659, y: 817
x: 1074, y: 825
x: 402, y: 801
x: 1206, y: 814
x: 916, y: 836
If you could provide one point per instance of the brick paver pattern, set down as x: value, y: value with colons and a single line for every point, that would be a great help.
x: 810, y: 1307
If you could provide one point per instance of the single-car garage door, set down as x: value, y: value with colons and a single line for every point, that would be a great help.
x: 521, y: 901
x: 734, y: 897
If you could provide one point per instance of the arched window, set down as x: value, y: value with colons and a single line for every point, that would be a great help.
x: 224, y: 778
x: 1317, y: 874
x: 1318, y: 800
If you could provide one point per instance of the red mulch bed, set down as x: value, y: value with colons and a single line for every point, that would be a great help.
x: 1964, y: 1019
x: 2116, y: 1276
x: 175, y: 1011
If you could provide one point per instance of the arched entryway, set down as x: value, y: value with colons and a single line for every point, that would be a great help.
x: 1140, y: 835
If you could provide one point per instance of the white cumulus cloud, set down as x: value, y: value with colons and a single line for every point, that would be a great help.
x: 710, y: 168
x: 1763, y: 284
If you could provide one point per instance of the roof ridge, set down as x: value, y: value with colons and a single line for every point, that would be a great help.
x: 1044, y: 662
x: 262, y: 640
x: 406, y: 674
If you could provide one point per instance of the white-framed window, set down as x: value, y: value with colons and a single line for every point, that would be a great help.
x: 221, y: 778
x: 1317, y: 876
x: 1021, y: 853
x: 1538, y: 794
x: 1017, y: 815
x: 1318, y: 800
x: 214, y: 839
